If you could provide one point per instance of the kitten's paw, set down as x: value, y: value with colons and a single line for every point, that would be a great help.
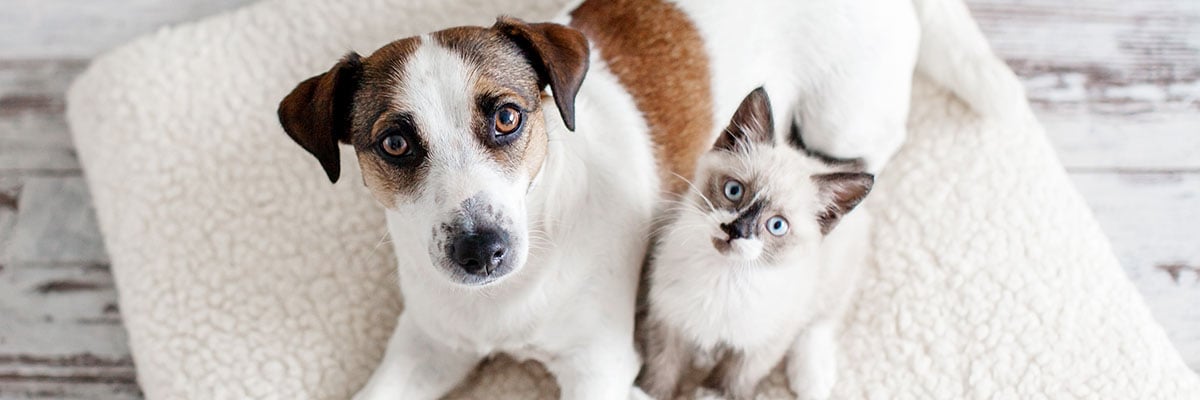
x: 812, y: 364
x: 704, y: 393
x: 814, y: 384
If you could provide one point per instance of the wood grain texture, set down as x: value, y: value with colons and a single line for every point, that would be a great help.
x: 81, y: 29
x: 45, y: 307
x: 60, y: 329
x: 33, y: 132
x: 55, y: 225
x: 1152, y: 221
x: 1117, y: 83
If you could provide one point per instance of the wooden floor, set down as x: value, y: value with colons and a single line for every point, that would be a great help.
x: 1116, y: 82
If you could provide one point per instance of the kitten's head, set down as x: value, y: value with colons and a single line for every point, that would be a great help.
x: 757, y: 202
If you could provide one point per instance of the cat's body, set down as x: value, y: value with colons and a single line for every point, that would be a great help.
x: 716, y: 303
x: 729, y: 283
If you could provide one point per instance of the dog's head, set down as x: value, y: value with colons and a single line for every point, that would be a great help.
x: 450, y: 132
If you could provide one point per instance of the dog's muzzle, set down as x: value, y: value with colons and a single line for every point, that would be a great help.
x: 477, y: 244
x: 480, y: 253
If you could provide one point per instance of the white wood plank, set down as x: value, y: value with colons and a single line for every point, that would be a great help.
x: 55, y: 224
x: 59, y: 312
x: 1152, y: 221
x: 33, y: 83
x: 1116, y: 82
x: 76, y: 389
x: 1144, y: 40
x: 10, y: 190
x: 60, y: 330
x: 36, y: 143
x: 60, y: 334
x: 33, y: 132
x: 1155, y: 141
x: 80, y: 29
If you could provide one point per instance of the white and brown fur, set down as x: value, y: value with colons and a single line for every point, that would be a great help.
x: 641, y: 83
x: 724, y: 288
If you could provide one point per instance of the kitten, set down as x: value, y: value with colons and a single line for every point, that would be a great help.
x: 759, y: 261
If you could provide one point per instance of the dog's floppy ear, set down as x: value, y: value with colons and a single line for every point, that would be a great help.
x: 751, y: 123
x: 840, y: 192
x: 316, y: 114
x: 558, y: 53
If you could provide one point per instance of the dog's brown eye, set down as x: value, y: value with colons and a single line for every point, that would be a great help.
x: 507, y: 119
x: 395, y: 145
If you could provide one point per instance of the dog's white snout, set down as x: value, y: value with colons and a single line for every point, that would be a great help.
x: 479, y: 241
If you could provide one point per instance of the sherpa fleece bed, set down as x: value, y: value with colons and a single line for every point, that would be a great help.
x: 243, y: 274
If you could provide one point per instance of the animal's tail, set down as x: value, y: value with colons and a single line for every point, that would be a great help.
x: 955, y: 55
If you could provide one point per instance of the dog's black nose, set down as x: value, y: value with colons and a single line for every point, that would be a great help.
x: 481, y: 252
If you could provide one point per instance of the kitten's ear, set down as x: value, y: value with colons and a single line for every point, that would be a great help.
x: 840, y: 192
x: 751, y: 123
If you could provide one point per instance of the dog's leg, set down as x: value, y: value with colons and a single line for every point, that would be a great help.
x: 600, y: 371
x: 416, y: 366
x: 667, y: 356
x: 812, y: 364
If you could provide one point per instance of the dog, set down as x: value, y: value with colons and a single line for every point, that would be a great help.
x: 520, y: 165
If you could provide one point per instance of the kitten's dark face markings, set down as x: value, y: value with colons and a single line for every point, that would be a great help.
x: 756, y: 216
x: 746, y: 225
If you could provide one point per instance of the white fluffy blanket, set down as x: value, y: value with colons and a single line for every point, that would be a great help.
x: 244, y: 274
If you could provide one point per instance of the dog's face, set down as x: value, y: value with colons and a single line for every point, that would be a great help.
x: 450, y: 134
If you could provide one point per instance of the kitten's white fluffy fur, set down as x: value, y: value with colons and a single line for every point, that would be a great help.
x: 765, y: 297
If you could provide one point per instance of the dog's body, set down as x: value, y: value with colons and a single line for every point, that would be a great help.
x: 571, y: 305
x: 842, y: 68
x: 514, y: 234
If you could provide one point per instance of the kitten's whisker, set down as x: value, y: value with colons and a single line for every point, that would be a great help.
x: 696, y: 190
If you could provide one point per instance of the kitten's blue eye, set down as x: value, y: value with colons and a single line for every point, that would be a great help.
x: 733, y: 190
x: 777, y: 225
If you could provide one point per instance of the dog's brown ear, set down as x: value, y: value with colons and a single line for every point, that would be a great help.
x: 558, y: 53
x: 753, y: 122
x: 316, y: 114
x: 840, y: 192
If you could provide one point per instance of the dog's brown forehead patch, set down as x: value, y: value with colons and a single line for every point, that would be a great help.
x: 501, y: 75
x: 374, y: 114
x: 375, y: 98
x: 500, y: 64
x: 659, y: 57
x: 498, y: 73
